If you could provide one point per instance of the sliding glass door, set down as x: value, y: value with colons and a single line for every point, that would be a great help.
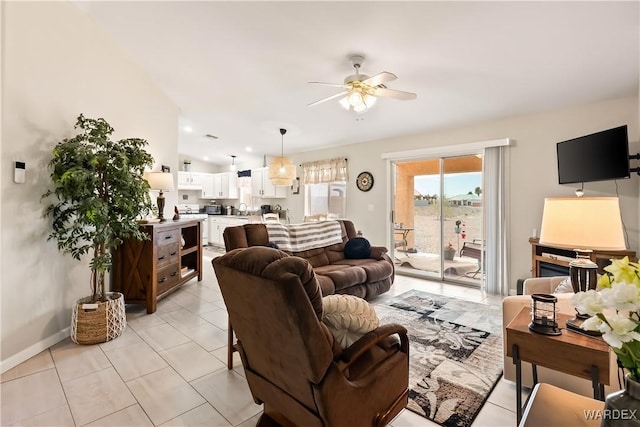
x: 438, y: 218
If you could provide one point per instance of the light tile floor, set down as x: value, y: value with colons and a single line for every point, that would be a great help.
x: 169, y: 369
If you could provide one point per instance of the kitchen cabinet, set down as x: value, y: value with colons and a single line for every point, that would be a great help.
x: 189, y: 180
x: 215, y: 235
x: 208, y: 187
x: 217, y: 225
x: 144, y: 271
x: 225, y: 185
x: 261, y: 185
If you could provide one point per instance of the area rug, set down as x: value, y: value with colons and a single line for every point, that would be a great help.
x: 455, y: 353
x: 457, y: 266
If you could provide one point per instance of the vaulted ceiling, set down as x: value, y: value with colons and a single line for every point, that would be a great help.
x: 240, y: 70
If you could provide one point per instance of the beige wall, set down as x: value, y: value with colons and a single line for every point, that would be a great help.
x: 57, y: 64
x: 532, y: 176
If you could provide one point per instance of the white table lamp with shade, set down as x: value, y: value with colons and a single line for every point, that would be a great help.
x: 160, y: 181
x: 583, y: 224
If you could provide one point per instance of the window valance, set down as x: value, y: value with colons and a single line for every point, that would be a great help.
x: 325, y: 171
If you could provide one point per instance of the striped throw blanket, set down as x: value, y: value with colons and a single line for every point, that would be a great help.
x: 302, y: 237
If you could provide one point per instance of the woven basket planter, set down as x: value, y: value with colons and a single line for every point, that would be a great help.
x: 97, y: 325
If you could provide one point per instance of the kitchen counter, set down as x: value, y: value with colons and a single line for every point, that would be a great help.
x: 168, y: 221
x: 230, y: 216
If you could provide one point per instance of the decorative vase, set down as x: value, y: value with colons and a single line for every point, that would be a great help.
x: 622, y: 408
x: 94, y: 323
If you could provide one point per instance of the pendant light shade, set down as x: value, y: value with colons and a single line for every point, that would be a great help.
x: 281, y: 170
x: 232, y: 166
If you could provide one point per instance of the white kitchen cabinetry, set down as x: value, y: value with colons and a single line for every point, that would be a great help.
x: 225, y: 185
x: 189, y: 180
x: 208, y: 187
x: 217, y: 224
x: 215, y: 235
x: 261, y: 186
x: 205, y: 232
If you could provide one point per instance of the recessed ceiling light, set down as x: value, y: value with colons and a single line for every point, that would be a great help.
x: 249, y: 149
x: 188, y: 129
x: 205, y: 158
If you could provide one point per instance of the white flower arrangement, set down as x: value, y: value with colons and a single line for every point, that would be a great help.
x: 615, y: 311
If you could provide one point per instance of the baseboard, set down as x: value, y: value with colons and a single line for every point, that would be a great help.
x: 36, y: 348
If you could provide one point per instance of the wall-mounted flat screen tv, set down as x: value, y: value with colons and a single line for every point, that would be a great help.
x: 597, y: 157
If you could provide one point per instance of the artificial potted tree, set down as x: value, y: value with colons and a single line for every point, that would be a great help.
x: 99, y: 194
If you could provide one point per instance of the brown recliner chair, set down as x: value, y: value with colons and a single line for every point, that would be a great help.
x: 292, y: 363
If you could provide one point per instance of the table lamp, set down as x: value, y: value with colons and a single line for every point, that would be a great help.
x: 582, y: 224
x: 161, y: 181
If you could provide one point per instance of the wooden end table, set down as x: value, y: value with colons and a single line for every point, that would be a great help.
x: 571, y: 353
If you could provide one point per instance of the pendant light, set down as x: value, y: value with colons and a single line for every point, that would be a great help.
x: 281, y: 170
x: 232, y: 166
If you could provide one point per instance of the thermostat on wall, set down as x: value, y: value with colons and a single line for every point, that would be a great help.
x: 19, y: 172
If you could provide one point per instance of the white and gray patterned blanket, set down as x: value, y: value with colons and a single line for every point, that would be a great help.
x: 302, y: 237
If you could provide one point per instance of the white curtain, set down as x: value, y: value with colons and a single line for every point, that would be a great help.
x: 325, y: 171
x: 244, y: 179
x: 495, y: 202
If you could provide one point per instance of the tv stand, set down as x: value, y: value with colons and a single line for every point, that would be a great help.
x: 554, y: 261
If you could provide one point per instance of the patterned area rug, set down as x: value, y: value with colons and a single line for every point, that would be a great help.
x: 455, y: 355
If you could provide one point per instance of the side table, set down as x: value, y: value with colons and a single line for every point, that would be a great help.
x: 571, y: 353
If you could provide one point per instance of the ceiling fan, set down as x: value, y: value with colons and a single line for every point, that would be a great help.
x: 361, y: 91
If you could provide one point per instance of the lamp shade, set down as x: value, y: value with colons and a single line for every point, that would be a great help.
x: 282, y: 171
x: 162, y: 181
x: 582, y: 223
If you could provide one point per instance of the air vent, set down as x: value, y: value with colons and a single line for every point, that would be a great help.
x: 210, y: 136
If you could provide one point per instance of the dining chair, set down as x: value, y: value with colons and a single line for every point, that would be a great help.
x: 271, y: 217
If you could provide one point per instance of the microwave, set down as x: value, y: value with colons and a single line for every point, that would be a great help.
x: 213, y: 209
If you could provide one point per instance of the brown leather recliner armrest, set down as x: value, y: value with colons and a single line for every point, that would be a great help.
x: 368, y: 340
x: 377, y: 252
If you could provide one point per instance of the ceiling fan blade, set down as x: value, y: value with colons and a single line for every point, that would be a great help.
x: 397, y: 94
x: 337, y: 95
x: 327, y: 84
x: 380, y: 78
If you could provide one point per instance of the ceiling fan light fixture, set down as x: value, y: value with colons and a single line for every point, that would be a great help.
x: 281, y: 170
x: 370, y: 100
x: 355, y: 99
x: 360, y: 91
x: 360, y: 108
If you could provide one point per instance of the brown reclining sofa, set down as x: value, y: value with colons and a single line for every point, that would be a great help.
x: 365, y: 278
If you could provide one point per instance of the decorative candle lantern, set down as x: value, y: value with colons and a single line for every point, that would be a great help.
x: 543, y: 314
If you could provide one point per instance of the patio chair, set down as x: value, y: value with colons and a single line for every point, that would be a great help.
x: 475, y: 250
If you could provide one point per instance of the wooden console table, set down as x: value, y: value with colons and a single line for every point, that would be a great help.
x: 559, y: 257
x: 571, y: 353
x: 145, y: 271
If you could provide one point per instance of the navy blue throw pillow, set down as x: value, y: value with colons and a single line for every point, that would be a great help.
x: 357, y: 248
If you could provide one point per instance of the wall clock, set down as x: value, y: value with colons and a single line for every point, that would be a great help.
x: 364, y: 181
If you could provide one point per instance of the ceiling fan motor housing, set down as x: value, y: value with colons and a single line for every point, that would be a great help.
x: 355, y: 78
